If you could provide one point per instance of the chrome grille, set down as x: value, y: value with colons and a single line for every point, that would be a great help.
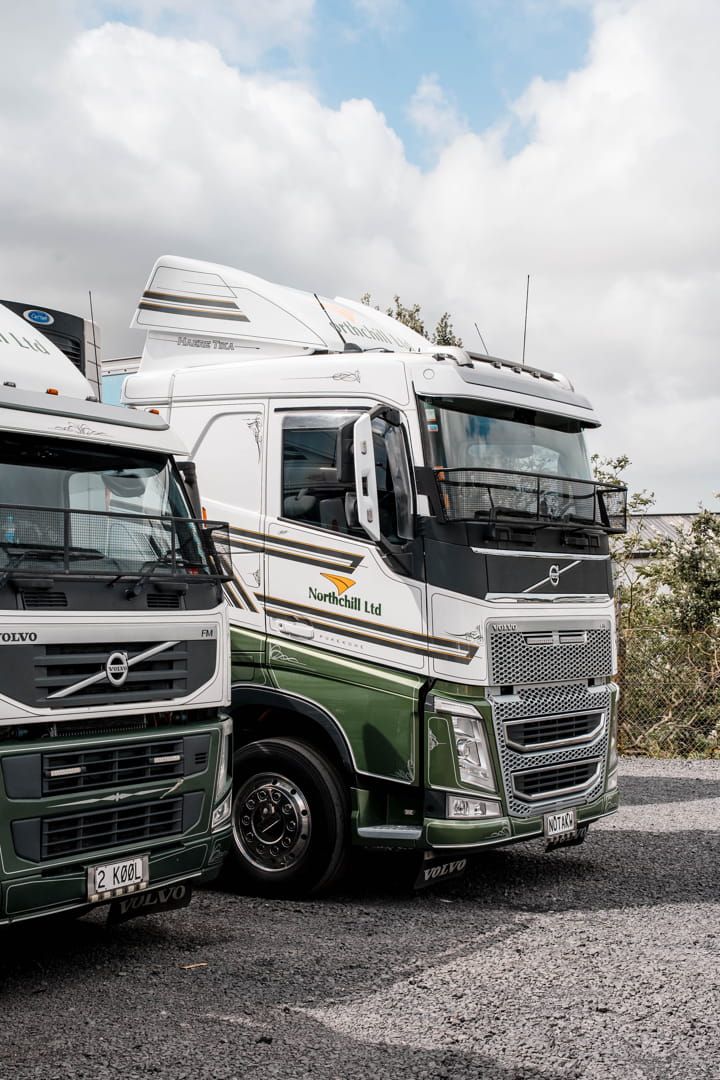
x: 161, y: 676
x: 535, y: 711
x: 550, y: 731
x: 532, y: 652
x: 535, y: 785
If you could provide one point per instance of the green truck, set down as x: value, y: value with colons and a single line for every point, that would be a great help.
x: 115, y: 756
x: 422, y: 622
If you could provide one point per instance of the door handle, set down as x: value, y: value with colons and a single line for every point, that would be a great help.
x: 294, y: 629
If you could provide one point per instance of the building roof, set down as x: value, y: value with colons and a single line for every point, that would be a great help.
x: 649, y: 528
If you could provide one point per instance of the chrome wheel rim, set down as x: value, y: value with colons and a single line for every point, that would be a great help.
x: 271, y: 822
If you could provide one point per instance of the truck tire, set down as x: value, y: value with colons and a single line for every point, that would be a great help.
x: 290, y: 820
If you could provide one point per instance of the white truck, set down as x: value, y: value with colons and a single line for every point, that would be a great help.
x: 115, y: 759
x: 423, y: 636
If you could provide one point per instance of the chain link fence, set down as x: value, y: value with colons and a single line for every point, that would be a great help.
x: 669, y: 693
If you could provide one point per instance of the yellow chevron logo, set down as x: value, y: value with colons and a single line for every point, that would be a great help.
x: 342, y: 584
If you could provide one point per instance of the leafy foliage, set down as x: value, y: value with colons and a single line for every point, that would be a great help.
x: 443, y: 334
x: 669, y: 642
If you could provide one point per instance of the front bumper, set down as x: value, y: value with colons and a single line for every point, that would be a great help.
x: 35, y: 895
x: 440, y: 834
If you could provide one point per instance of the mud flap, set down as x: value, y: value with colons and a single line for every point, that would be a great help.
x: 150, y: 901
x: 433, y: 870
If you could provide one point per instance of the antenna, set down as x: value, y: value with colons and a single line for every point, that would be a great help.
x: 487, y: 351
x: 334, y: 326
x: 527, y: 297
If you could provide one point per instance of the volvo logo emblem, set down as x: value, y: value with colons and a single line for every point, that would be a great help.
x: 554, y: 575
x: 116, y: 668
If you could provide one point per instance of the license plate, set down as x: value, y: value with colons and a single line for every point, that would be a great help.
x: 117, y: 878
x: 561, y: 824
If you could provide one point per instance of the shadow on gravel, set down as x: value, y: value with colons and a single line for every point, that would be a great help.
x: 612, y: 870
x: 240, y: 987
x: 254, y: 999
x: 643, y: 790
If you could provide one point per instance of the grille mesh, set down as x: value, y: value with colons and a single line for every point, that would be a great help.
x: 544, y: 705
x: 44, y: 598
x: 66, y: 835
x: 520, y: 656
x: 528, y: 734
x: 544, y: 783
x: 112, y: 766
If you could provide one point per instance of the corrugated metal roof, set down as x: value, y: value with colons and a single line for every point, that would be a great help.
x: 653, y: 527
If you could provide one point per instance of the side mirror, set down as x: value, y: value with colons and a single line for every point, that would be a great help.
x: 368, y: 510
x: 189, y: 474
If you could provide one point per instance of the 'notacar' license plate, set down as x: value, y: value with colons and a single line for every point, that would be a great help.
x: 115, y: 878
x: 563, y: 823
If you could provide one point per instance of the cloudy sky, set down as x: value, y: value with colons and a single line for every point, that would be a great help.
x: 439, y: 149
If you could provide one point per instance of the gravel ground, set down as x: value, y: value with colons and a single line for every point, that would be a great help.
x: 592, y: 963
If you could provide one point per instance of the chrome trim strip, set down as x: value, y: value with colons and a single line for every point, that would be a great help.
x: 137, y: 659
x: 554, y: 598
x: 389, y: 832
x: 541, y: 554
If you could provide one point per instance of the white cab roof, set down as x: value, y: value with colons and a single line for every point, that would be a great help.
x: 32, y: 362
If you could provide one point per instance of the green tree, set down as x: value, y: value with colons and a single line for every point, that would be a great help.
x: 630, y: 579
x: 409, y: 316
x: 669, y: 641
x: 443, y: 333
x: 686, y: 574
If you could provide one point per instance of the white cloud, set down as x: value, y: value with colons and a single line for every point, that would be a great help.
x: 243, y: 30
x: 434, y: 113
x: 120, y: 144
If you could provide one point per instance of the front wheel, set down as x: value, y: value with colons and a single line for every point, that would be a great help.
x: 289, y: 819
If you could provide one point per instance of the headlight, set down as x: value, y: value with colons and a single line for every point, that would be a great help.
x: 471, y: 743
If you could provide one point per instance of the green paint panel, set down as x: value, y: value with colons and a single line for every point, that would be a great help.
x: 376, y: 708
x: 33, y: 888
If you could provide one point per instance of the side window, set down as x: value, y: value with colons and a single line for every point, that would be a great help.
x: 319, y: 474
x: 318, y: 482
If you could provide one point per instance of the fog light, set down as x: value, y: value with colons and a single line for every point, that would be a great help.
x: 459, y: 807
x: 222, y: 812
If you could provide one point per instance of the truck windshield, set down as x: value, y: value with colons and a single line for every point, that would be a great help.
x: 494, y: 460
x: 97, y: 509
x: 467, y: 434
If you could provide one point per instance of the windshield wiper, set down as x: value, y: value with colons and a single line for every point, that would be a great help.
x: 44, y: 552
x: 165, y: 562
